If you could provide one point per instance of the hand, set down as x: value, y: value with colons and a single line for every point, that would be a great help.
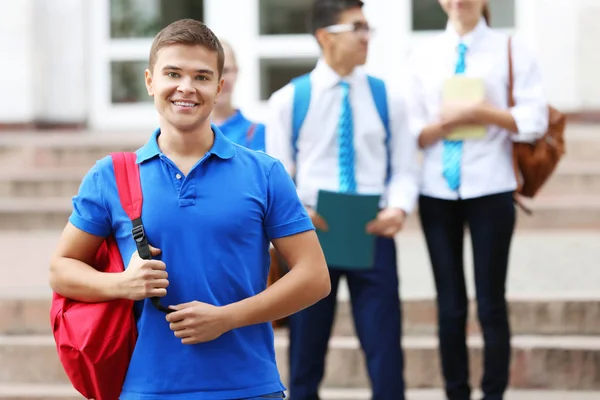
x: 388, y: 223
x: 317, y: 220
x: 145, y: 278
x: 197, y: 322
x: 459, y: 113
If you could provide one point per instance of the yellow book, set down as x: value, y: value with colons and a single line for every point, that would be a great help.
x: 462, y: 88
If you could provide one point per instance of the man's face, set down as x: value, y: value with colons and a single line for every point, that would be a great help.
x: 185, y: 84
x: 351, y: 46
x: 230, y: 73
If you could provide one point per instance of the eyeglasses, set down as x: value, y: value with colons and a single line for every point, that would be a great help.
x: 357, y: 27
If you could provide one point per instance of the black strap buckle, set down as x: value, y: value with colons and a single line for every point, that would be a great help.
x: 138, y: 233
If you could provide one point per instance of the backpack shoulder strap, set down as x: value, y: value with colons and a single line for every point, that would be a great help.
x: 299, y: 107
x: 127, y: 175
x: 379, y: 94
x: 250, y: 133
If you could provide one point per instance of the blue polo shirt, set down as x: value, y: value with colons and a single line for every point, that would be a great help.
x: 237, y: 129
x: 213, y: 227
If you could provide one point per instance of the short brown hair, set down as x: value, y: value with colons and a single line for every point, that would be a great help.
x: 188, y: 32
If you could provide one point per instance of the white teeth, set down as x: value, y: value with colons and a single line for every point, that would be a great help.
x: 183, y: 104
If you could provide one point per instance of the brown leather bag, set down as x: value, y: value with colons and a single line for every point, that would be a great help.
x: 535, y: 162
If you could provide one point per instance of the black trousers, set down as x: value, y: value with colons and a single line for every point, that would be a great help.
x: 491, y: 221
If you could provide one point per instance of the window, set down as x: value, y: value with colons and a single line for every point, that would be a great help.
x: 284, y: 17
x: 145, y: 18
x: 276, y: 73
x: 127, y: 82
x: 427, y: 15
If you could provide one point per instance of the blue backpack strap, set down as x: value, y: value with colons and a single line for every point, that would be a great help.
x: 379, y: 93
x: 299, y: 107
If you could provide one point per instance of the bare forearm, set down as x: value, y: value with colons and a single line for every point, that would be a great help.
x: 298, y: 289
x: 432, y: 133
x: 79, y: 281
x: 489, y: 115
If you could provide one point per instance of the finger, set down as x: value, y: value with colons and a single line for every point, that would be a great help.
x: 160, y: 283
x: 154, y: 251
x: 190, y: 340
x: 157, y: 292
x: 178, y: 325
x: 156, y: 264
x: 183, y: 333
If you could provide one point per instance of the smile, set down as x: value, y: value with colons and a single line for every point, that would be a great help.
x: 184, y: 103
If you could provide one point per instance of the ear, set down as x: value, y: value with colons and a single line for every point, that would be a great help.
x: 219, y: 88
x: 322, y: 36
x: 148, y: 79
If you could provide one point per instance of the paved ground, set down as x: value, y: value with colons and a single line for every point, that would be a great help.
x: 357, y: 394
x: 543, y: 264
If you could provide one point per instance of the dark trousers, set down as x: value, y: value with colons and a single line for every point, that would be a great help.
x: 376, y: 312
x: 491, y: 221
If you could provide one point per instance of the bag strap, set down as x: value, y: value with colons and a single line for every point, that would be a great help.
x: 299, y: 107
x: 511, y: 103
x: 379, y: 94
x: 511, y: 97
x: 250, y: 134
x: 127, y: 175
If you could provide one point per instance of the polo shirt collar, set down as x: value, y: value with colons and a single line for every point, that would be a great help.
x: 222, y: 147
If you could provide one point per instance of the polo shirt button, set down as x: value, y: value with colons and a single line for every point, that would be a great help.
x: 178, y: 176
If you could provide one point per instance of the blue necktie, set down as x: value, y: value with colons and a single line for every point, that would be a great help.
x: 346, y: 143
x: 451, y: 157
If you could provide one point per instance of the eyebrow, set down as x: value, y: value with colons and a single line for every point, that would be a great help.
x: 200, y: 71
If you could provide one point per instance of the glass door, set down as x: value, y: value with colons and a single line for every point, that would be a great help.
x: 121, y: 37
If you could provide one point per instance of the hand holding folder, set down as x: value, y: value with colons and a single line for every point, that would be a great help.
x: 459, y: 91
x: 346, y: 243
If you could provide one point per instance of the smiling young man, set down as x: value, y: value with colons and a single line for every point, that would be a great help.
x: 210, y: 210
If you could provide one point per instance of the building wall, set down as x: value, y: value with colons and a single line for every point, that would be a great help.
x: 54, y: 56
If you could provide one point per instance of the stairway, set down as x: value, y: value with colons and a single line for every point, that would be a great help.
x: 553, y: 280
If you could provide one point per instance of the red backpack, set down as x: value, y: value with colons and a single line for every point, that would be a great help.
x: 95, y: 341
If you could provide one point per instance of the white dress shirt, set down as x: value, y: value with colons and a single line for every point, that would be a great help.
x: 316, y: 165
x: 487, y: 166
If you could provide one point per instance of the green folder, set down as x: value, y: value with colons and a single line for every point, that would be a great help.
x: 346, y: 244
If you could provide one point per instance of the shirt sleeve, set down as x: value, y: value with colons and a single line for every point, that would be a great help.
x: 89, y: 208
x: 416, y: 112
x: 285, y: 214
x: 403, y: 188
x: 278, y: 127
x: 531, y: 108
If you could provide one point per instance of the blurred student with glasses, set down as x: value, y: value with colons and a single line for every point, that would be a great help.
x: 353, y: 138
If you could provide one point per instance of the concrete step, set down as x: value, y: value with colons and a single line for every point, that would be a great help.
x: 582, y: 178
x: 573, y: 178
x: 72, y: 149
x: 38, y: 392
x: 557, y: 363
x: 29, y: 316
x: 81, y: 149
x: 549, y: 212
x: 40, y: 183
x: 432, y: 394
x: 65, y: 392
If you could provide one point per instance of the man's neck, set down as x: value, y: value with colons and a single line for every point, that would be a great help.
x: 222, y: 113
x: 179, y: 145
x: 340, y: 68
